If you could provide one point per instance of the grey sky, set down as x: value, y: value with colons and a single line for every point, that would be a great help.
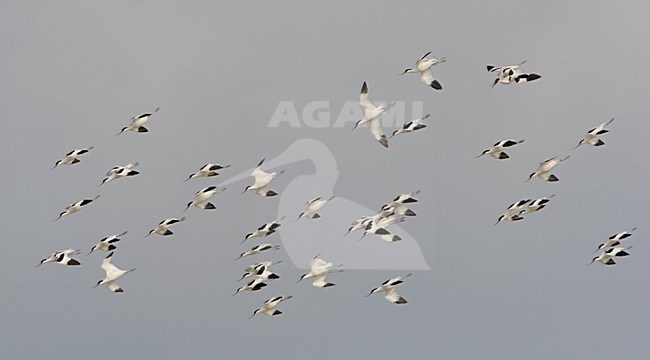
x: 74, y: 72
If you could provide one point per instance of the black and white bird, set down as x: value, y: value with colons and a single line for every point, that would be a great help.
x: 313, y: 206
x: 607, y: 256
x: 72, y: 157
x: 615, y: 239
x: 73, y: 208
x: 592, y: 135
x: 107, y: 243
x: 536, y: 205
x: 319, y: 269
x: 253, y: 285
x: 413, y: 125
x: 508, y: 69
x: 362, y: 222
x: 264, y: 273
x: 201, y: 198
x: 513, y: 211
x: 163, y: 227
x: 497, y: 150
x: 543, y: 171
x: 261, y: 269
x: 262, y: 180
x: 399, y: 205
x: 388, y: 287
x: 207, y: 170
x: 258, y: 249
x: 264, y: 230
x: 112, y: 273
x: 137, y: 123
x: 423, y: 67
x: 269, y: 306
x: 62, y: 257
x: 511, y: 73
x: 121, y: 171
x: 379, y: 228
x: 371, y: 115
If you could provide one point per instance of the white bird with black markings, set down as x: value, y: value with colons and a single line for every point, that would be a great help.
x: 362, y: 222
x: 607, y: 256
x: 121, y: 171
x: 72, y: 157
x: 543, y: 171
x: 73, y: 208
x: 137, y: 123
x: 163, y: 227
x: 264, y: 230
x: 62, y: 257
x: 511, y: 73
x: 388, y: 287
x: 258, y: 249
x: 313, y: 206
x: 497, y: 150
x: 592, y: 135
x: 255, y: 269
x: 107, y: 243
x: 202, y: 196
x: 413, y: 125
x: 616, y: 239
x: 507, y: 69
x: 262, y: 180
x: 319, y: 269
x: 371, y: 115
x: 536, y: 205
x: 112, y: 273
x: 513, y: 211
x: 207, y: 170
x: 398, y: 205
x: 423, y: 67
x: 379, y: 228
x: 269, y: 306
x: 253, y: 285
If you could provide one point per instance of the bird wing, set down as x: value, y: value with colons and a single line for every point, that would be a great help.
x: 107, y: 266
x: 427, y: 77
x: 376, y: 130
x: 364, y: 100
x: 423, y: 57
x: 113, y: 287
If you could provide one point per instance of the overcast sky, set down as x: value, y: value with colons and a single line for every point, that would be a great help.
x: 74, y: 72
